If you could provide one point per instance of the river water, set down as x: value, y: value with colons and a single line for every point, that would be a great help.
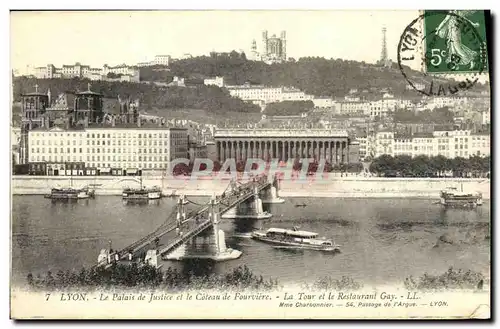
x: 382, y: 240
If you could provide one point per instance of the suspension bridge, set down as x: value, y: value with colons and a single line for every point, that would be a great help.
x: 201, y: 222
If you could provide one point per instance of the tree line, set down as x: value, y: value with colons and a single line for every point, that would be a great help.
x: 210, y: 98
x: 242, y: 278
x: 435, y: 166
x: 289, y: 108
x: 123, y: 275
x: 437, y: 116
x: 313, y: 75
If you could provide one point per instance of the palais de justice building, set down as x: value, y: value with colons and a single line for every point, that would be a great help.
x: 240, y: 144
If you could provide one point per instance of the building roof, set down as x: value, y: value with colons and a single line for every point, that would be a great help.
x: 423, y: 135
x: 35, y: 93
x: 107, y: 126
x: 149, y: 126
x: 88, y: 92
x: 399, y: 135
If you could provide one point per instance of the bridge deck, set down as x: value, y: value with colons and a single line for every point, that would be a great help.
x: 193, y: 226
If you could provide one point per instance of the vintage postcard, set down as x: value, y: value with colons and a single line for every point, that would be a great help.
x: 302, y: 165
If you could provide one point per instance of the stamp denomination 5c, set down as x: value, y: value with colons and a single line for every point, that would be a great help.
x: 444, y: 44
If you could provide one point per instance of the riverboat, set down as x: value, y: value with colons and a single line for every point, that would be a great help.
x: 295, y: 238
x: 70, y: 194
x: 452, y: 197
x: 143, y: 193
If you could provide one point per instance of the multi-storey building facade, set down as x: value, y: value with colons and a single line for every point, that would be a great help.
x: 448, y: 143
x: 240, y: 144
x: 384, y: 143
x: 127, y: 147
x: 128, y: 73
x: 158, y: 60
x: 480, y: 144
x: 403, y: 145
x: 268, y: 94
x: 217, y: 81
x: 323, y: 102
x: 423, y: 144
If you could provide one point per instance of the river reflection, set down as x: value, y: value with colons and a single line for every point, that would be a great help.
x: 382, y: 240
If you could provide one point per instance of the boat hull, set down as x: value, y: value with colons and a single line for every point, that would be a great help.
x: 295, y: 245
x: 142, y: 196
x: 69, y: 196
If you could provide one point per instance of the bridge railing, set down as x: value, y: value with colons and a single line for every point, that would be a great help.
x: 184, y: 237
x: 170, y: 224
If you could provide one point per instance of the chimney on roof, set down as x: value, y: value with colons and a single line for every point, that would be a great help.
x: 86, y: 122
x: 113, y: 121
x: 139, y: 122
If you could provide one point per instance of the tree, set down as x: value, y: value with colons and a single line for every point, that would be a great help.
x: 459, y: 167
x: 402, y: 165
x: 382, y: 165
x: 439, y: 164
x: 420, y: 166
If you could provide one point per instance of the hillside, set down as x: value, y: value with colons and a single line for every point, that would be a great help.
x: 213, y: 100
x: 314, y: 75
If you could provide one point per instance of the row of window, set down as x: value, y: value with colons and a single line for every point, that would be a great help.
x: 108, y: 135
x: 95, y: 150
x: 131, y: 165
x: 119, y: 143
x: 114, y: 158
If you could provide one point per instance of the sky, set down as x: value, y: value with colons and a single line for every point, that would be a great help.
x: 99, y: 37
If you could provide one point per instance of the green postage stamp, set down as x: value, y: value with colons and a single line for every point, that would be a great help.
x: 444, y: 45
x: 455, y: 41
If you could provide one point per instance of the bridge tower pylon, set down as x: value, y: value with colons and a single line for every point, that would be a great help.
x: 271, y: 195
x: 209, y: 243
x: 181, y: 210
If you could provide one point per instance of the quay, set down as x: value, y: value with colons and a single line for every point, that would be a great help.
x: 328, y: 185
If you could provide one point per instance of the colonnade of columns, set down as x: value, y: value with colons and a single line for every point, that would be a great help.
x: 335, y: 151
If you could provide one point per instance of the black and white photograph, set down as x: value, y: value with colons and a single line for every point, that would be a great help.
x: 250, y: 164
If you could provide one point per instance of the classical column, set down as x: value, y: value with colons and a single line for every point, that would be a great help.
x: 266, y: 151
x: 289, y: 155
x: 347, y: 152
x: 233, y: 150
x: 344, y: 149
x: 337, y: 156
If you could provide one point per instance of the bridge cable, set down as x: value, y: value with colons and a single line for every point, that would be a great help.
x: 198, y: 204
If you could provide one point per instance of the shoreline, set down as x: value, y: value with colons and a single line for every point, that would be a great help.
x: 329, y: 187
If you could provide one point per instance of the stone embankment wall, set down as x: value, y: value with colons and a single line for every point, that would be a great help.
x: 332, y: 186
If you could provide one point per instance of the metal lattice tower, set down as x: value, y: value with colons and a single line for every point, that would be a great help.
x: 383, y: 55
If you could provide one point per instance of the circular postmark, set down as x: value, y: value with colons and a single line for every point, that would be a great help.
x: 447, y: 47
